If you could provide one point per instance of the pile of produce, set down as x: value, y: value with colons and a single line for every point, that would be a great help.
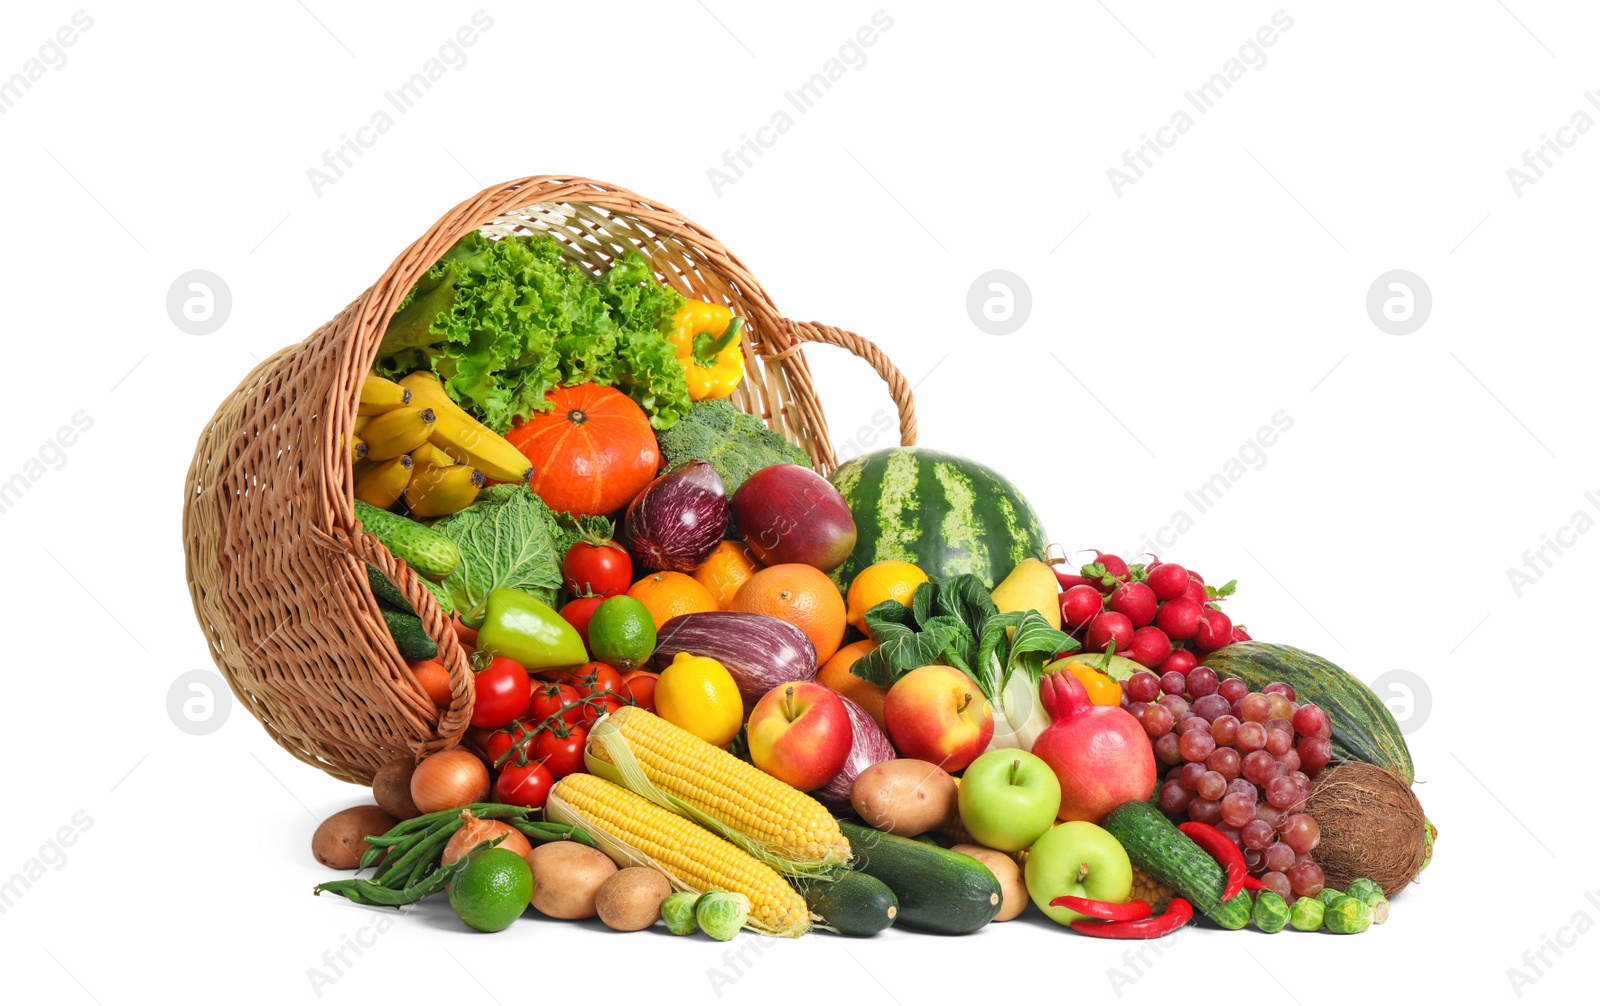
x: 716, y: 690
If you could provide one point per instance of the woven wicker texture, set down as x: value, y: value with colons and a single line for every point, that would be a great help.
x: 274, y: 555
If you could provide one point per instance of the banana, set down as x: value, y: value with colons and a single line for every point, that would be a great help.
x: 383, y: 483
x: 379, y: 395
x: 428, y: 456
x: 397, y: 432
x: 358, y: 449
x: 361, y: 424
x: 434, y: 492
x: 465, y: 439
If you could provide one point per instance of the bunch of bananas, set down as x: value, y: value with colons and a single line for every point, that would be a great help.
x: 413, y: 442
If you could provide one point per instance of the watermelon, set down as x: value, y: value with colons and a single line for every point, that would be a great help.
x: 946, y: 514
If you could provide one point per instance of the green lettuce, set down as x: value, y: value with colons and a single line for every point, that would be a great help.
x: 504, y: 322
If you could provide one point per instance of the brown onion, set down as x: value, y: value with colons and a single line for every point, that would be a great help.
x: 476, y: 830
x: 449, y: 779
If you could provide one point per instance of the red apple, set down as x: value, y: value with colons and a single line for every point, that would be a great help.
x: 937, y: 713
x: 789, y: 513
x: 800, y: 733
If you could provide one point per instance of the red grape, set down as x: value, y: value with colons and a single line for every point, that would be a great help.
x: 1250, y: 737
x: 1196, y: 745
x: 1212, y: 786
x: 1278, y: 741
x: 1255, y: 707
x: 1257, y: 767
x: 1280, y: 688
x: 1157, y: 720
x: 1309, y: 719
x: 1277, y: 883
x: 1224, y: 730
x: 1233, y: 689
x: 1176, y: 704
x: 1281, y: 707
x: 1255, y: 861
x: 1300, y: 832
x: 1190, y: 777
x: 1279, y: 723
x: 1255, y: 833
x: 1202, y: 681
x: 1193, y: 722
x: 1211, y: 706
x: 1173, y: 683
x: 1290, y: 760
x: 1271, y: 815
x: 1225, y: 761
x: 1167, y: 749
x: 1206, y: 811
x: 1239, y: 810
x: 1143, y: 687
x: 1229, y: 831
x: 1242, y: 786
x: 1306, y: 878
x: 1283, y: 793
x: 1279, y: 857
x: 1174, y: 798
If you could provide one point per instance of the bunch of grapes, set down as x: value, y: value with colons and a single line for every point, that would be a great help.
x: 1241, y: 761
x: 1158, y: 614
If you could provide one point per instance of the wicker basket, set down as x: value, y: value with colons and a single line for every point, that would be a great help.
x: 274, y: 557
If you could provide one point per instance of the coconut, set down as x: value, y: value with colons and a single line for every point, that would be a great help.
x: 1372, y: 826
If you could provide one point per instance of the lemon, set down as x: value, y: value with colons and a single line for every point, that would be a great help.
x: 699, y: 695
x: 890, y: 580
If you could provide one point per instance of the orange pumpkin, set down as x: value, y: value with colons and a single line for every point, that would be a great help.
x: 591, y: 453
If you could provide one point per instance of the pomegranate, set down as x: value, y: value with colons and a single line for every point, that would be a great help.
x: 1100, y: 754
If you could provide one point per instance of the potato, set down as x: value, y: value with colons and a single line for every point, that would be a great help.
x: 391, y: 788
x: 630, y: 899
x: 904, y: 797
x: 340, y: 841
x: 1013, y: 892
x: 566, y: 878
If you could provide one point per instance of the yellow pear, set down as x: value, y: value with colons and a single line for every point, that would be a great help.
x: 1031, y: 585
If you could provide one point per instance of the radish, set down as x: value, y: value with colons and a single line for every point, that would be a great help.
x: 1079, y: 604
x: 1150, y: 646
x: 1168, y: 580
x: 1182, y: 661
x: 1239, y: 635
x: 1108, y: 627
x: 1180, y: 619
x: 1195, y: 591
x: 1215, y: 630
x: 1113, y: 564
x: 1070, y: 580
x: 1136, y: 600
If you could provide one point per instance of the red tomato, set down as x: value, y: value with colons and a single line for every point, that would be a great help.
x: 524, y: 785
x: 503, y: 689
x: 641, y: 688
x: 602, y: 686
x: 577, y: 612
x: 547, y: 701
x: 603, y: 569
x: 562, y: 755
x: 503, y: 740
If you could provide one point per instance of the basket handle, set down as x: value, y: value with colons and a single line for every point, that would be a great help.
x: 899, y: 387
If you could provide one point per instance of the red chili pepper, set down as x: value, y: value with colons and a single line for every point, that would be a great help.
x: 1220, y: 848
x: 1111, y: 911
x: 1254, y: 884
x: 1177, y: 915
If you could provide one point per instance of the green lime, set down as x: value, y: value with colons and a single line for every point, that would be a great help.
x: 622, y: 633
x: 492, y: 890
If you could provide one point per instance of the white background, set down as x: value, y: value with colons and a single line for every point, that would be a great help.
x: 1227, y: 284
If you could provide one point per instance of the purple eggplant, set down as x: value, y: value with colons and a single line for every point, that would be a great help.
x: 679, y: 519
x: 761, y: 652
x: 868, y: 746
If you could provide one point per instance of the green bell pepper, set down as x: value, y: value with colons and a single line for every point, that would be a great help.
x: 522, y: 627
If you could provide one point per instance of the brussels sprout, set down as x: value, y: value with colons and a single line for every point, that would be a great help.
x: 1329, y: 896
x: 1306, y: 915
x: 677, y: 911
x: 1347, y: 916
x: 1364, y: 891
x: 1380, y: 912
x: 1271, y: 912
x: 721, y: 914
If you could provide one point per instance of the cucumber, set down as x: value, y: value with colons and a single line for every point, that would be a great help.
x: 939, y: 891
x: 855, y: 904
x: 1156, y: 846
x: 424, y: 550
x: 388, y: 594
x: 409, y: 637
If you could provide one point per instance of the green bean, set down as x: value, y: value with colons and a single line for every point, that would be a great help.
x: 367, y: 892
x: 548, y: 831
x: 428, y: 849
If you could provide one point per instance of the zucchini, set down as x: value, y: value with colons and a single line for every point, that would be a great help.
x: 938, y: 891
x: 409, y: 636
x: 424, y: 550
x: 854, y: 904
x: 1363, y: 727
x: 1156, y: 846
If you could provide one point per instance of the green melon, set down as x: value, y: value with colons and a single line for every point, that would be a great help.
x: 947, y: 514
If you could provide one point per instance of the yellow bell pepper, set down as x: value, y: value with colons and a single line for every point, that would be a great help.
x: 706, y: 341
x: 1103, y: 689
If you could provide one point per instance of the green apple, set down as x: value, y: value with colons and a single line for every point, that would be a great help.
x: 1008, y: 798
x: 1080, y: 859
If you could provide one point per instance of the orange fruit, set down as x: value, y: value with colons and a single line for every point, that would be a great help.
x: 890, y: 580
x: 726, y: 571
x: 667, y: 595
x: 801, y: 595
x: 836, y: 675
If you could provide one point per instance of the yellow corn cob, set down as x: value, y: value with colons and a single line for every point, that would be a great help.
x: 635, y: 832
x: 771, y: 819
x: 1148, y: 888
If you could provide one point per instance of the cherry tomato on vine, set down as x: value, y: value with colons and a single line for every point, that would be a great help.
x: 578, y: 612
x: 641, y: 688
x: 509, y: 736
x: 523, y: 785
x: 548, y: 700
x: 603, y: 687
x: 601, y: 568
x: 503, y: 688
x: 561, y: 755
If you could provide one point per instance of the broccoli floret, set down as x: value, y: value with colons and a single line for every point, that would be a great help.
x: 735, y: 443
